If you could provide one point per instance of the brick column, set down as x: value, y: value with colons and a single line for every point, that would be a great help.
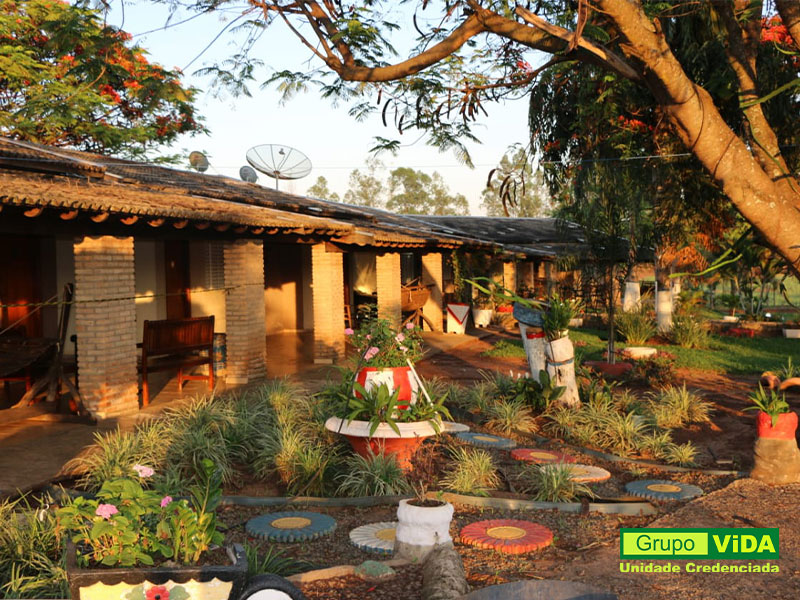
x: 106, y: 329
x: 432, y: 274
x: 246, y: 333
x: 510, y: 276
x: 387, y: 267
x: 327, y: 286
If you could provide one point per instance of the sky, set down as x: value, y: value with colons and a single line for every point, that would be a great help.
x: 334, y: 142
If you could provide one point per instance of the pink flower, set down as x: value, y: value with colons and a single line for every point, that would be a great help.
x: 143, y: 471
x: 349, y: 331
x: 409, y: 325
x: 371, y: 352
x: 400, y: 337
x: 165, y: 500
x: 369, y: 336
x: 106, y: 510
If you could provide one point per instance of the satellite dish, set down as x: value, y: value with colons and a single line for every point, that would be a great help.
x: 198, y: 161
x: 279, y: 162
x: 248, y: 174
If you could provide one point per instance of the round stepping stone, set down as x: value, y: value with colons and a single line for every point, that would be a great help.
x: 375, y: 537
x: 585, y: 473
x: 453, y: 427
x: 661, y: 489
x: 510, y: 536
x: 540, y: 457
x: 485, y: 440
x: 291, y: 526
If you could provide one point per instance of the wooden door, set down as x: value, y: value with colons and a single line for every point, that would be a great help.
x: 20, y: 284
x: 176, y: 266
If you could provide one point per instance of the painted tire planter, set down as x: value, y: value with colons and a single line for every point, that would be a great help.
x: 541, y: 457
x: 457, y: 317
x: 210, y: 582
x: 384, y: 439
x: 392, y: 377
x: 662, y: 489
x: 421, y: 528
x: 584, y: 473
x: 290, y: 526
x: 485, y: 440
x: 509, y: 536
x: 482, y: 317
x: 533, y: 341
x: 784, y: 428
x: 560, y: 358
x: 375, y: 537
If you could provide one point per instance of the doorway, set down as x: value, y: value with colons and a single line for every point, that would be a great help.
x: 176, y: 276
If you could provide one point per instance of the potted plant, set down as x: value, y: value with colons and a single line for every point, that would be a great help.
x: 458, y: 309
x: 775, y: 419
x: 422, y: 524
x: 791, y: 329
x: 559, y: 353
x: 385, y: 355
x: 135, y: 543
x: 482, y: 310
x: 373, y: 422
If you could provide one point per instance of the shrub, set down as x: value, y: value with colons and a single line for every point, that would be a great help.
x: 681, y: 454
x: 471, y: 472
x: 112, y: 456
x: 689, y: 333
x: 635, y: 326
x: 789, y: 370
x: 274, y: 561
x: 655, y: 443
x: 655, y: 371
x: 620, y: 433
x: 507, y: 415
x: 375, y: 475
x: 505, y: 349
x: 675, y: 406
x: 551, y: 483
x: 31, y: 562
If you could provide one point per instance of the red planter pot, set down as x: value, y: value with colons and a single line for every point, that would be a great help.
x: 402, y: 448
x: 505, y: 309
x: 395, y: 378
x: 618, y: 369
x: 784, y: 428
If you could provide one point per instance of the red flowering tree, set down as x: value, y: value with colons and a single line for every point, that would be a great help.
x: 68, y: 79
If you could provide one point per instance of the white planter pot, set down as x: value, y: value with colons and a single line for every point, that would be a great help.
x: 730, y: 319
x: 632, y: 297
x: 792, y: 334
x: 664, y: 311
x: 420, y: 529
x: 482, y: 317
x: 639, y: 352
x: 457, y: 317
x: 361, y: 429
x: 533, y: 341
x: 560, y: 357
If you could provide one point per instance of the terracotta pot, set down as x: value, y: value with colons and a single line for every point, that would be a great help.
x: 216, y: 582
x: 394, y: 378
x: 618, y: 369
x: 784, y: 428
x: 384, y: 439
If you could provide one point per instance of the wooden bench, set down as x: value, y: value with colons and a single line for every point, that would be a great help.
x: 177, y: 343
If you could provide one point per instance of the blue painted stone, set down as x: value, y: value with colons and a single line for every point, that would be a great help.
x: 486, y: 440
x: 662, y: 489
x: 291, y: 526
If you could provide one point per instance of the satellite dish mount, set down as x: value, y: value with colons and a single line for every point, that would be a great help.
x: 279, y: 162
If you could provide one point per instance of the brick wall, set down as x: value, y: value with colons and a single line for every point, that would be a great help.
x: 432, y: 274
x: 327, y: 283
x: 387, y: 267
x: 244, y: 311
x: 510, y: 275
x: 104, y: 270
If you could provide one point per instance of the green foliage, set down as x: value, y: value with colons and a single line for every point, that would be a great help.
x: 375, y: 475
x: 789, y: 370
x: 514, y: 189
x: 505, y: 349
x: 71, y: 79
x: 552, y: 483
x: 677, y: 406
x: 620, y: 433
x: 365, y: 189
x: 471, y: 472
x: 320, y: 190
x: 416, y: 192
x: 689, y: 333
x: 635, y: 326
x: 31, y: 561
x: 112, y: 456
x: 274, y: 561
x: 770, y: 402
x: 655, y: 371
x: 127, y: 525
x: 680, y: 454
x: 559, y: 313
x: 507, y: 415
x: 656, y: 443
x: 378, y: 344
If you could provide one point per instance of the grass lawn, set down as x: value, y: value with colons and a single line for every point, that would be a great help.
x: 724, y: 354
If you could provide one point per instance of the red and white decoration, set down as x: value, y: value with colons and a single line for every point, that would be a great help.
x: 457, y: 316
x: 394, y: 378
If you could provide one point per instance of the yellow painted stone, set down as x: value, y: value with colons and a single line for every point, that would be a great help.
x: 663, y: 487
x: 291, y: 523
x: 506, y: 532
x: 579, y: 471
x: 485, y: 438
x: 386, y: 535
x: 541, y: 454
x: 206, y: 590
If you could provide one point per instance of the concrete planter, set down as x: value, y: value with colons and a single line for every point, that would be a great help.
x: 482, y: 317
x: 421, y: 528
x: 639, y: 352
x: 793, y: 334
x: 384, y: 439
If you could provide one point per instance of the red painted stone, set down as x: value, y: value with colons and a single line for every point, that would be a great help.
x: 402, y: 448
x: 510, y: 536
x: 618, y: 369
x: 538, y: 456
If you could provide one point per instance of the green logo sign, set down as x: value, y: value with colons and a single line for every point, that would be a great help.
x: 704, y: 544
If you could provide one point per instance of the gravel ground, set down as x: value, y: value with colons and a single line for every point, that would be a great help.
x: 406, y: 584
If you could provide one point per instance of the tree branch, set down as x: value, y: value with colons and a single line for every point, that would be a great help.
x: 789, y: 10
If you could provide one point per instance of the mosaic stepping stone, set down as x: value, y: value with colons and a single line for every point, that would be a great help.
x: 375, y: 537
x: 540, y: 457
x: 453, y: 427
x: 485, y: 440
x: 510, y: 536
x: 585, y: 473
x: 291, y: 526
x: 662, y: 489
